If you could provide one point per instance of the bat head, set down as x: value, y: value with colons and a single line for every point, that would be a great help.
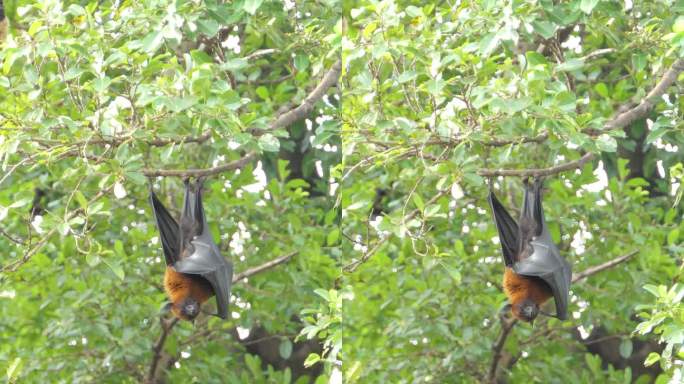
x: 187, y: 309
x: 527, y: 310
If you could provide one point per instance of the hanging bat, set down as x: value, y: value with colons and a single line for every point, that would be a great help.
x: 535, y: 270
x: 195, y: 269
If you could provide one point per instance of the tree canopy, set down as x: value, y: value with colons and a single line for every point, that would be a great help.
x: 443, y: 99
x: 101, y: 100
x: 349, y: 148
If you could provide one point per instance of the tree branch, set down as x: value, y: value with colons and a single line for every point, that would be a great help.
x: 598, y: 268
x: 305, y: 108
x: 647, y: 103
x: 158, y: 348
x: 11, y: 238
x: 239, y: 163
x: 537, y: 172
x: 506, y: 328
x: 115, y: 141
x: 620, y: 121
x: 263, y: 267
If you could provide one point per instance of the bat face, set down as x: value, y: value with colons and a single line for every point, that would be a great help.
x: 187, y: 309
x: 529, y: 251
x: 527, y: 310
x: 195, y: 268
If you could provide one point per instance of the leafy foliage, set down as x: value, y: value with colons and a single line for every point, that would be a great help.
x: 440, y: 94
x: 95, y: 95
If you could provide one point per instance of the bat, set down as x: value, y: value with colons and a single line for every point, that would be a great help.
x: 195, y: 269
x: 535, y: 270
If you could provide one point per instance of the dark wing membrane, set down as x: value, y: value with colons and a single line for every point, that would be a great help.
x: 507, y: 228
x: 539, y: 255
x: 206, y: 259
x: 188, y: 222
x: 221, y: 281
x: 547, y: 264
x: 532, y: 207
x: 168, y: 230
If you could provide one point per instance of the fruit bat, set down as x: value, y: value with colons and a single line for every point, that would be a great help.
x: 195, y: 269
x: 535, y: 270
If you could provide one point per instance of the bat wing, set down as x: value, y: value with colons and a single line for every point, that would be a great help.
x: 207, y: 262
x: 202, y: 254
x: 544, y: 260
x: 507, y: 228
x: 547, y: 264
x: 168, y: 230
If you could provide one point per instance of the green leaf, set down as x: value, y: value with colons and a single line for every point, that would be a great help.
x: 656, y: 134
x: 312, y: 359
x: 407, y: 76
x: 570, y: 65
x: 13, y: 370
x: 588, y: 5
x: 601, y: 89
x: 82, y: 201
x: 100, y: 85
x: 92, y: 259
x: 269, y: 143
x: 262, y: 92
x: 333, y: 236
x: 606, y: 143
x: 545, y: 28
x: 209, y: 27
x: 678, y: 25
x: 152, y: 41
x: 626, y: 348
x: 434, y: 86
x: 488, y: 44
x: 233, y: 65
x: 418, y: 201
x: 301, y: 62
x: 251, y: 6
x: 116, y: 268
x: 285, y: 348
x: 651, y: 359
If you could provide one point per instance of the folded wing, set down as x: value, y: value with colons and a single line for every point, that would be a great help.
x: 507, y: 228
x: 168, y: 230
x: 203, y: 255
x: 542, y: 258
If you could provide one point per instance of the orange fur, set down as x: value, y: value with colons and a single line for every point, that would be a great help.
x: 179, y: 286
x: 518, y: 288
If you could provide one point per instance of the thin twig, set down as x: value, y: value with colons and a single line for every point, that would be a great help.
x: 13, y: 266
x: 351, y: 267
x: 506, y: 328
x: 596, y: 53
x: 258, y: 53
x: 158, y: 347
x: 579, y: 163
x: 11, y: 238
x: 263, y: 267
x: 159, y: 142
x: 598, y: 268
